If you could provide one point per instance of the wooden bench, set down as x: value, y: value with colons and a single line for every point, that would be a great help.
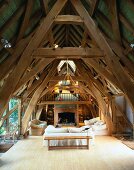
x: 68, y: 138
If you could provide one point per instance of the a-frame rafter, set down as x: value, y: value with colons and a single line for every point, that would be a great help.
x: 26, y: 57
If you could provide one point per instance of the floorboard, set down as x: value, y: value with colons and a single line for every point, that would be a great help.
x: 108, y: 153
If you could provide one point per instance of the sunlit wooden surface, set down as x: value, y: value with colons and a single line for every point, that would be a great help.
x: 108, y: 153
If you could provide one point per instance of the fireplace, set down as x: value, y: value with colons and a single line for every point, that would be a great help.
x: 66, y: 118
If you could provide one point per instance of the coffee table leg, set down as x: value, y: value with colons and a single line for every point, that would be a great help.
x: 48, y: 144
x: 88, y: 143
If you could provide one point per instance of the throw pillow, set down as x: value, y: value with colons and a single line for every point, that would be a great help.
x: 74, y: 130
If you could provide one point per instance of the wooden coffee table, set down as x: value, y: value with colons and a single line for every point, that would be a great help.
x: 68, y: 138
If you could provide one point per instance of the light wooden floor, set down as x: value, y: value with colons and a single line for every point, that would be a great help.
x: 107, y: 154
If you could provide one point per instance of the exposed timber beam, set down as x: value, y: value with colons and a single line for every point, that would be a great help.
x: 35, y: 70
x: 90, y: 79
x: 115, y: 20
x: 102, y: 71
x: 8, y: 114
x: 93, y: 6
x: 46, y: 11
x: 67, y: 51
x: 64, y: 102
x: 68, y: 19
x: 26, y: 19
x: 120, y: 52
x: 96, y: 92
x: 7, y: 65
x: 60, y: 78
x: 111, y: 59
x: 26, y: 57
x: 36, y: 96
x: 35, y: 85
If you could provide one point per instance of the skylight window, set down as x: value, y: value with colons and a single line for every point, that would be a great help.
x: 70, y: 63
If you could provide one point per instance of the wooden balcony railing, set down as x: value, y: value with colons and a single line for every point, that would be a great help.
x: 65, y: 97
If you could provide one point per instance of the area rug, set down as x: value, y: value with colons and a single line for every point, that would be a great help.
x: 130, y: 144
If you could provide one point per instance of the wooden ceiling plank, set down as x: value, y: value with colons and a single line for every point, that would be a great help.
x: 27, y: 57
x: 76, y: 36
x: 26, y: 19
x: 36, y: 96
x: 3, y: 5
x: 111, y: 59
x: 12, y: 19
x: 84, y: 38
x: 126, y: 23
x: 77, y: 44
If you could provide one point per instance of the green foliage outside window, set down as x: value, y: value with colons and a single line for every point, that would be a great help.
x: 13, y: 118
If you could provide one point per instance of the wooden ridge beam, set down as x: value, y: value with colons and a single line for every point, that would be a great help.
x: 68, y: 51
x: 68, y: 19
x: 27, y: 57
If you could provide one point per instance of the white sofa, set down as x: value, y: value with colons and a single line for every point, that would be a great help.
x: 93, y: 127
x: 98, y: 126
x: 51, y: 131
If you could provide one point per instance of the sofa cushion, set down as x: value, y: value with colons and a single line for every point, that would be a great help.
x: 100, y: 122
x: 91, y: 121
x: 99, y: 127
x: 52, y: 129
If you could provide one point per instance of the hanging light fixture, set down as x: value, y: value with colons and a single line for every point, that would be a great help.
x: 68, y: 77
